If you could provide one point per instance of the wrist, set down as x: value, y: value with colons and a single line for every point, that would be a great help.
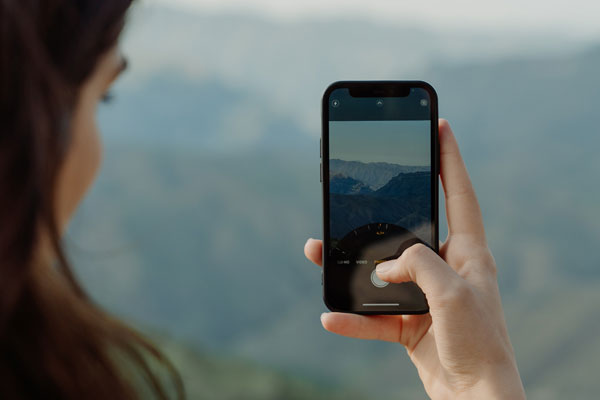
x: 501, y: 383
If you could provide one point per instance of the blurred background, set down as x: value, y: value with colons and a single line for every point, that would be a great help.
x: 210, y: 184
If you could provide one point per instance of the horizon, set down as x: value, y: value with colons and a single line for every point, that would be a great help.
x: 379, y: 162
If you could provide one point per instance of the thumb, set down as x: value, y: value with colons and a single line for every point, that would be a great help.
x: 423, y: 266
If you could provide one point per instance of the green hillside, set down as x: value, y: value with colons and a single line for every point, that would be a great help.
x: 210, y: 376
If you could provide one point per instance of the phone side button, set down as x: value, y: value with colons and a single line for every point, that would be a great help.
x: 321, y: 278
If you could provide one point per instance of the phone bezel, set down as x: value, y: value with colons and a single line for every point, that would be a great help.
x: 376, y: 86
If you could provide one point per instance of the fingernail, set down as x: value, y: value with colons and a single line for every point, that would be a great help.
x: 384, y: 267
x: 323, y: 316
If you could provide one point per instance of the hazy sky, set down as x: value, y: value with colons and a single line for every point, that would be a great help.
x: 395, y: 142
x: 576, y: 17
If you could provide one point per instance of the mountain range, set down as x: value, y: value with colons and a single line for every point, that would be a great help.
x: 210, y: 187
x: 405, y: 200
x: 373, y: 174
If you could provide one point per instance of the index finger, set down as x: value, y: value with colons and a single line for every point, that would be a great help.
x: 462, y: 207
x: 313, y: 250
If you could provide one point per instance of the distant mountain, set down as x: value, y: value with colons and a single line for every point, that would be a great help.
x: 404, y: 201
x: 413, y: 186
x: 375, y: 174
x: 342, y: 184
x: 172, y: 110
x: 261, y: 55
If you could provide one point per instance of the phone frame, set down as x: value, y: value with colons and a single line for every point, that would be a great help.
x: 380, y: 88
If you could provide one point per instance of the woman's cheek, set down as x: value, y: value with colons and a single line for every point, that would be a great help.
x: 82, y: 161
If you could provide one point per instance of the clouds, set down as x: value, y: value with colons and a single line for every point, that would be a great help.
x: 576, y: 17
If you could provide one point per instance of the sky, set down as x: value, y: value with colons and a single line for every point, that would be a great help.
x: 394, y: 142
x: 573, y: 17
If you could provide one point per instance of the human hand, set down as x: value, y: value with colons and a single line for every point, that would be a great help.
x: 461, y: 349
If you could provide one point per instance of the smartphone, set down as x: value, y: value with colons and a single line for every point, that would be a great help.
x: 379, y: 170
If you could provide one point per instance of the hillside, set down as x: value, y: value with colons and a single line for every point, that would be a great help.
x: 412, y: 186
x: 210, y: 188
x: 405, y: 200
x: 214, y: 377
x: 345, y: 185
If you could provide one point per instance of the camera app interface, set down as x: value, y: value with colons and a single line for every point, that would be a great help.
x: 380, y: 200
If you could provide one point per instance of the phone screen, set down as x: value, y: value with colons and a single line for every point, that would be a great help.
x: 380, y: 181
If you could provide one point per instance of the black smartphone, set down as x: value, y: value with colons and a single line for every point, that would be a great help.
x: 379, y: 169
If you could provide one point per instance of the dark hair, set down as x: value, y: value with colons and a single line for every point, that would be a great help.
x: 55, y: 343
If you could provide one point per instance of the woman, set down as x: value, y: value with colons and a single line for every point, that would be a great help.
x: 461, y: 349
x: 58, y: 59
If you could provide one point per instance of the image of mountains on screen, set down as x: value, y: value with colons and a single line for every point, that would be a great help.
x: 380, y: 172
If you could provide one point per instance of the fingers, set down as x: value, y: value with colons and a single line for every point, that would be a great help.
x: 378, y: 327
x: 462, y: 208
x: 421, y: 265
x: 313, y: 250
x: 405, y: 329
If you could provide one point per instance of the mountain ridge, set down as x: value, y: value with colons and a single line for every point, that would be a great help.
x: 373, y: 174
x: 342, y: 184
